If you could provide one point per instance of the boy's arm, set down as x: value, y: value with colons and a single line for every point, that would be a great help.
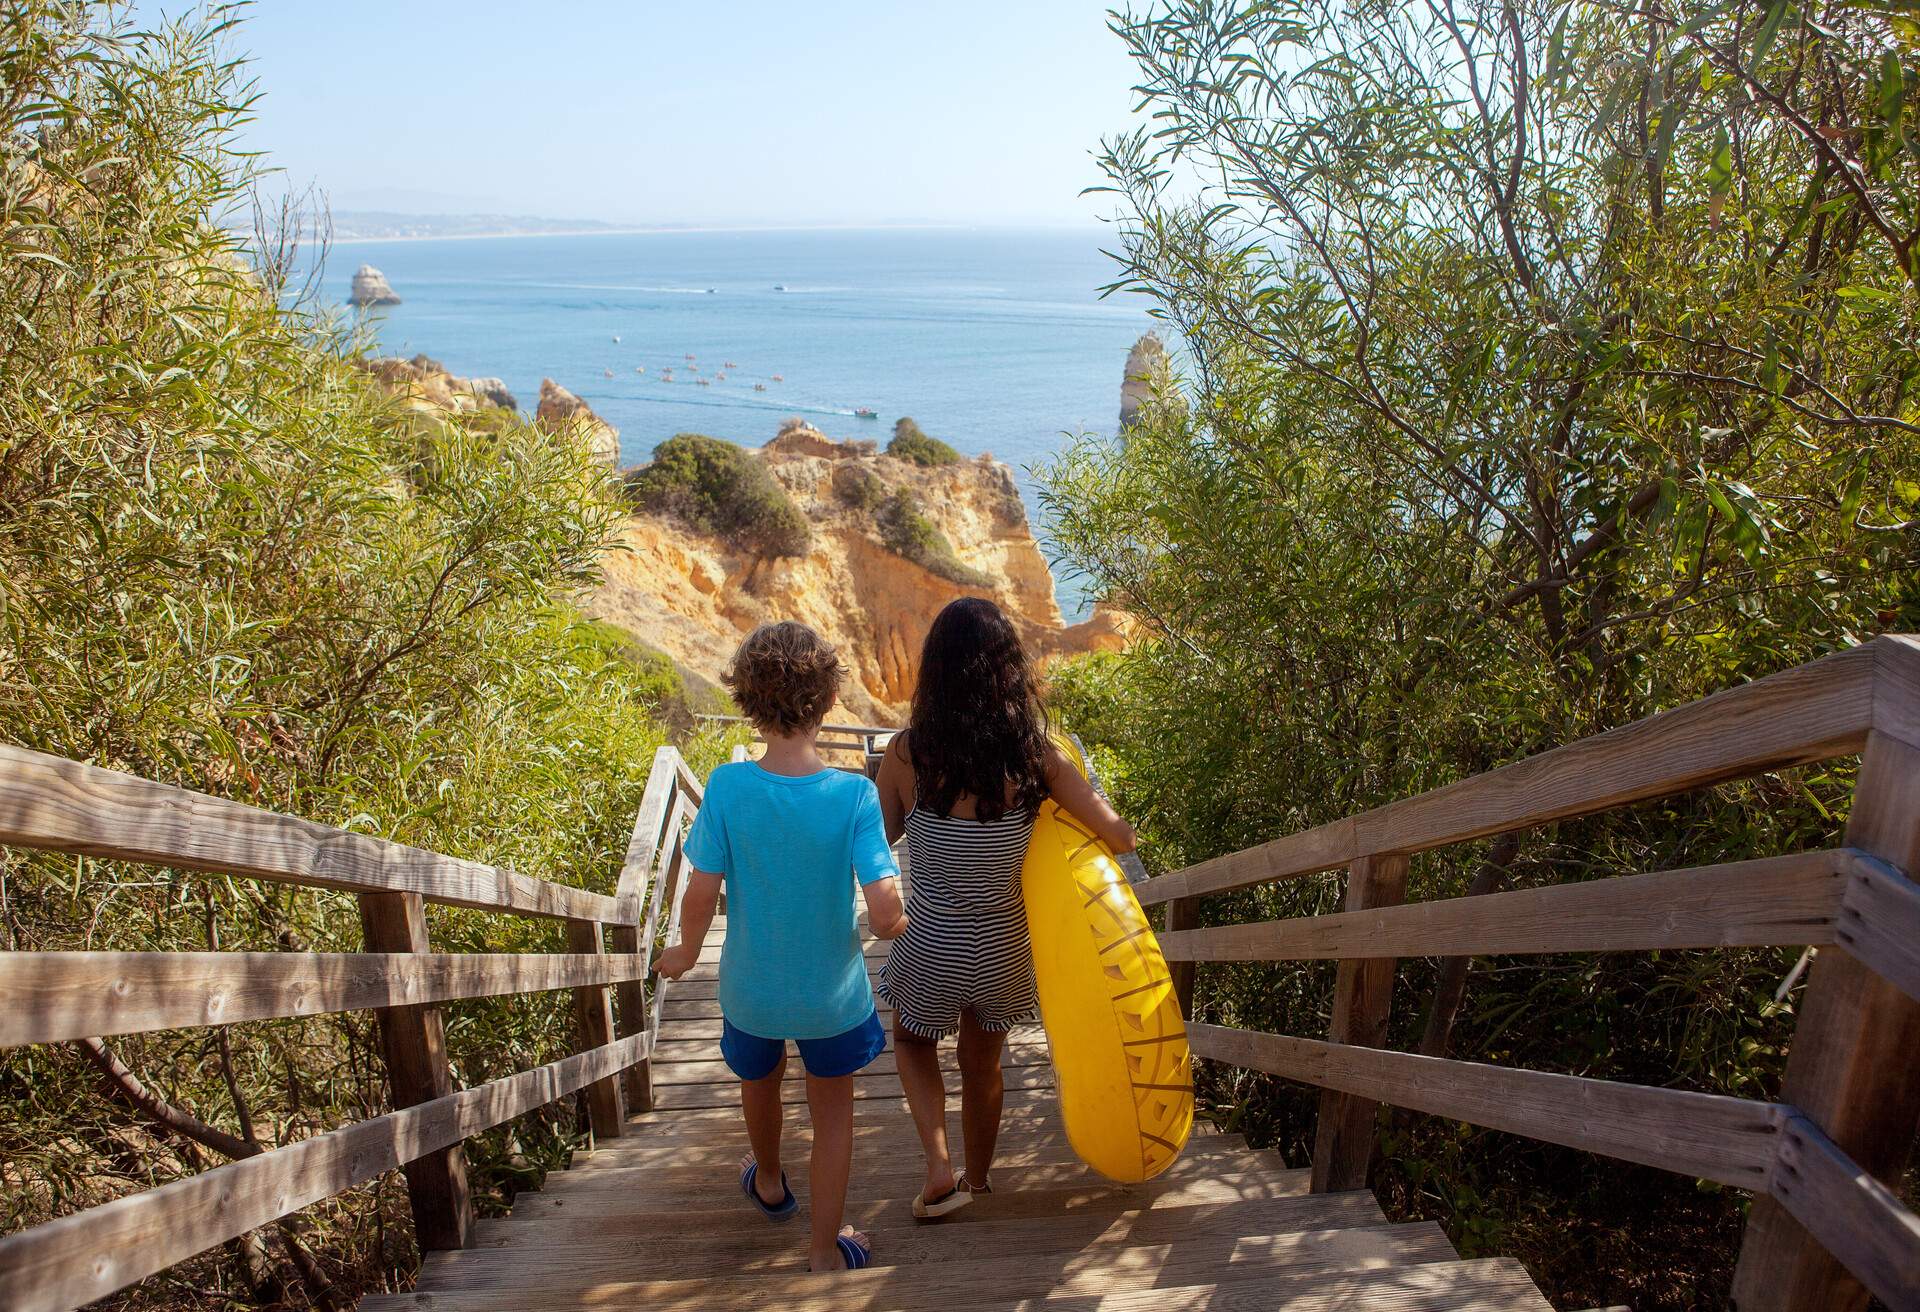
x: 697, y: 909
x: 886, y: 914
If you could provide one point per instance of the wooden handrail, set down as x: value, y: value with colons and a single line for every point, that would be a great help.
x: 1824, y: 1230
x: 67, y: 806
x: 51, y: 803
x: 1814, y: 712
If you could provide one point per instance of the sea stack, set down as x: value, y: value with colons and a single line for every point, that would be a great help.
x: 1148, y: 372
x: 370, y: 287
x: 560, y: 410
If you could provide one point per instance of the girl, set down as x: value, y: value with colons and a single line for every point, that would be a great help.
x: 964, y: 782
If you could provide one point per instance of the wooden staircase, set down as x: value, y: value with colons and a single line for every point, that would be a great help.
x: 655, y: 1219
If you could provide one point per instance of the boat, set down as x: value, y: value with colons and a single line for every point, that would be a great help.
x: 704, y: 382
x: 730, y: 365
x: 639, y: 368
x: 779, y: 378
x: 861, y: 412
x: 759, y: 387
x: 690, y: 355
x: 666, y: 375
x: 779, y: 286
x: 607, y: 372
x: 719, y: 378
x: 616, y: 339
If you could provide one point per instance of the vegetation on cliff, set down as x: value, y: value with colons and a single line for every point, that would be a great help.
x: 911, y: 442
x: 1548, y: 366
x: 724, y: 489
x: 909, y: 533
x: 229, y: 561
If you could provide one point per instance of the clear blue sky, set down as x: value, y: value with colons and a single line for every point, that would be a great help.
x: 837, y: 111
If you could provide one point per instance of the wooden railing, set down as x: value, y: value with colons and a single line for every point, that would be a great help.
x: 51, y: 803
x: 1826, y: 1225
x: 866, y: 741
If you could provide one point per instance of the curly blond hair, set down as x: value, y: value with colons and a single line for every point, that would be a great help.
x: 785, y: 677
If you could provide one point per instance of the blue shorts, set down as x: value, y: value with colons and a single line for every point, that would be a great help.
x: 753, y: 1058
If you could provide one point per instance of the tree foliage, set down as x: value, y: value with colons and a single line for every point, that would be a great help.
x: 721, y: 488
x: 1545, y: 365
x: 912, y: 443
x: 908, y: 532
x: 228, y: 561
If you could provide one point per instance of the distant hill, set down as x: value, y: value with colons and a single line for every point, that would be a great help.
x: 375, y: 225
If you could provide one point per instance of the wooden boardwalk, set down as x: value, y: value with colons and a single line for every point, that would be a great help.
x: 656, y: 1220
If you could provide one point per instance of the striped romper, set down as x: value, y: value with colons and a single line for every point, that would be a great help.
x: 966, y: 946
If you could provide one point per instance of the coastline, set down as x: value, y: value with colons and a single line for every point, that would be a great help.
x: 719, y: 228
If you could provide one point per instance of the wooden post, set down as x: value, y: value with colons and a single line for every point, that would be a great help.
x: 593, y: 1026
x: 1183, y: 913
x: 1850, y: 1069
x: 1362, y: 995
x: 632, y: 995
x: 415, y: 1042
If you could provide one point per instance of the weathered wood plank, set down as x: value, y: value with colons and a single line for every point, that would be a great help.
x: 1855, y: 1217
x: 930, y: 1285
x: 1850, y: 1067
x: 1730, y: 1140
x: 649, y: 824
x: 47, y: 997
x: 593, y: 1029
x: 49, y: 802
x: 413, y: 1038
x: 1880, y: 920
x: 1774, y: 900
x: 1304, y: 853
x: 1813, y: 712
x: 1362, y: 997
x: 89, y: 1254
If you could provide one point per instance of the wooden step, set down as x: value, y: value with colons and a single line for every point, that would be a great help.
x: 671, y: 1068
x: 724, y: 1149
x: 1220, y: 1259
x: 727, y: 1094
x: 652, y: 1188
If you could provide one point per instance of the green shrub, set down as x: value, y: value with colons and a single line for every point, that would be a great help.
x: 911, y: 534
x: 229, y: 562
x: 858, y: 486
x: 911, y: 443
x: 723, y: 489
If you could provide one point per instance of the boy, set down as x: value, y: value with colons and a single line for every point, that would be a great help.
x: 782, y: 834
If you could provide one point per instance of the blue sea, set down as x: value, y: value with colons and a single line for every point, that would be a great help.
x: 993, y: 340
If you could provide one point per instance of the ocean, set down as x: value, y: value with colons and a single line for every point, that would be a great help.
x: 993, y: 340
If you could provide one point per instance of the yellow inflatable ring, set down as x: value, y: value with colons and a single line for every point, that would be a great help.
x: 1120, y: 1056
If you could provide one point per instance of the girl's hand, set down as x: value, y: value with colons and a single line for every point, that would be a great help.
x: 677, y: 960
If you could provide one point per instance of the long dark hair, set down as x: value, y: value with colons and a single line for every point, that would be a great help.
x: 978, y: 726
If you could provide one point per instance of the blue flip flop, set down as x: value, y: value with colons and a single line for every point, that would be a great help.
x: 781, y: 1211
x: 857, y: 1254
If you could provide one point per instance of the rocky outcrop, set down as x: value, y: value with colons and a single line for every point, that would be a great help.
x: 560, y: 410
x: 370, y: 288
x: 694, y: 597
x: 1149, y: 374
x: 424, y: 384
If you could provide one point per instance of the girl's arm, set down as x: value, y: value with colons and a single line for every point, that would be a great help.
x: 895, y: 782
x: 1077, y: 798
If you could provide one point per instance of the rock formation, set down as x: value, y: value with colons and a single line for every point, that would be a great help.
x: 560, y: 409
x: 370, y: 288
x: 1149, y: 373
x: 693, y: 597
x: 425, y: 385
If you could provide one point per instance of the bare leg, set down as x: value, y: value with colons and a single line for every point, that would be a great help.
x: 983, y: 1092
x: 925, y: 1085
x: 760, y: 1103
x: 830, y: 1102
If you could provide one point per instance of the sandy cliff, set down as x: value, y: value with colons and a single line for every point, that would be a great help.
x: 694, y: 597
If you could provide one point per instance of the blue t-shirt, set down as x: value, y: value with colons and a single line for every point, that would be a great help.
x: 786, y: 845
